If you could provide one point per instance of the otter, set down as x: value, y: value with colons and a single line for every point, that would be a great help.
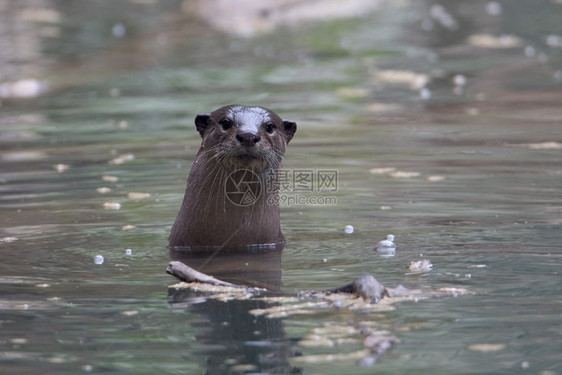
x: 231, y: 198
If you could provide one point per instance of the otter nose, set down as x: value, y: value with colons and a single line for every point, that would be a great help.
x: 248, y: 139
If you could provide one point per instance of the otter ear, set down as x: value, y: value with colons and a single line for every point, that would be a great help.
x: 202, y: 122
x: 290, y: 128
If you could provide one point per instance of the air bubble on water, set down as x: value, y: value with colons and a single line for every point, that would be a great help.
x: 118, y: 30
x: 129, y: 251
x: 459, y: 80
x: 98, y: 259
x: 425, y: 94
x: 554, y: 40
x: 389, y: 242
x: 324, y: 260
x: 493, y: 8
x: 387, y: 248
x: 349, y: 229
x: 530, y: 51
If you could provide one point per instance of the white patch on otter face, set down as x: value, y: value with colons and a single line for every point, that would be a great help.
x: 249, y: 119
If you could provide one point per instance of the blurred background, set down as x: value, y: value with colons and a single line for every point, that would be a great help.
x: 441, y: 118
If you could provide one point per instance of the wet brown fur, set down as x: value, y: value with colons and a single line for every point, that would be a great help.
x: 207, y: 217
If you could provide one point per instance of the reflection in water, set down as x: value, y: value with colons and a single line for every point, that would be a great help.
x: 232, y: 338
x: 260, y: 268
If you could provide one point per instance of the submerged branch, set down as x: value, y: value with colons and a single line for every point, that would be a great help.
x: 185, y: 273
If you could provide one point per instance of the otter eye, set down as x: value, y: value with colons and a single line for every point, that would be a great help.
x: 225, y: 124
x: 270, y: 127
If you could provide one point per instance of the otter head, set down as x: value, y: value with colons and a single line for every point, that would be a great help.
x: 248, y: 137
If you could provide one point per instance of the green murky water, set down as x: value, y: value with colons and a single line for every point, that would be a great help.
x: 482, y: 202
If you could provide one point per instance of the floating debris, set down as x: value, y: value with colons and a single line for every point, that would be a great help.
x: 41, y: 15
x: 110, y: 178
x: 128, y: 227
x: 554, y: 40
x: 545, y: 146
x: 435, y: 178
x: 352, y: 92
x: 23, y: 88
x: 384, y: 170
x: 138, y: 196
x: 416, y: 81
x: 61, y: 167
x: 8, y: 239
x: 493, y: 42
x: 420, y: 266
x: 23, y: 155
x: 122, y: 159
x: 103, y: 190
x: 349, y: 229
x: 404, y: 174
x: 381, y: 107
x: 338, y: 334
x: 18, y: 341
x: 218, y: 292
x: 112, y: 206
x: 486, y: 347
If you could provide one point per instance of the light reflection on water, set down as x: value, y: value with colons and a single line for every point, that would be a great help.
x: 490, y: 222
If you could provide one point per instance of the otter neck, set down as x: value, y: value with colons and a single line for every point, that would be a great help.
x: 228, y: 206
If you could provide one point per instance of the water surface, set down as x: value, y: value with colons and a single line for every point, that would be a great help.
x: 482, y: 202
